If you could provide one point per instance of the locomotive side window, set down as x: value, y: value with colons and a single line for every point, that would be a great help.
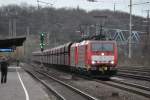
x: 102, y: 47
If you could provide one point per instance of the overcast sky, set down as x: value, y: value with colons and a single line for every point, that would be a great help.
x: 101, y: 4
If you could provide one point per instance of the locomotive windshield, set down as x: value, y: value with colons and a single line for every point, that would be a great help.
x: 102, y: 47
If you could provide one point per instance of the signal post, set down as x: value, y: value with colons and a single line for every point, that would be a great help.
x: 42, y: 44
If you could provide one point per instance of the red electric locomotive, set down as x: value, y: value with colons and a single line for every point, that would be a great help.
x: 96, y: 57
x: 90, y: 56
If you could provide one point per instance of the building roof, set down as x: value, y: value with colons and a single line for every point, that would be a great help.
x: 12, y: 42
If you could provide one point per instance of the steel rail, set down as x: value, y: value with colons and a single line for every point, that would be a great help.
x: 134, y: 88
x: 134, y: 68
x: 126, y: 88
x: 136, y: 72
x: 132, y: 84
x: 59, y: 96
x: 140, y: 77
x: 89, y: 97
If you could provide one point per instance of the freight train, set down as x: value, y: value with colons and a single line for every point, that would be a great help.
x: 90, y: 56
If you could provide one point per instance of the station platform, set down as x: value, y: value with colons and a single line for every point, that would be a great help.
x: 21, y: 86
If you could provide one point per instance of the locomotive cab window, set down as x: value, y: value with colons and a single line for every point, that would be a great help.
x: 102, y: 47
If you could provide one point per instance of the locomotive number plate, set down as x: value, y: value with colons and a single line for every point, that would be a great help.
x: 103, y: 58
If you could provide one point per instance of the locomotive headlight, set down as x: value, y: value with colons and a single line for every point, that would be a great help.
x: 102, y: 54
x: 93, y: 62
x: 112, y: 62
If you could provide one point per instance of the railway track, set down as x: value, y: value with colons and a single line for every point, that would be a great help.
x: 59, y: 96
x: 136, y: 72
x: 138, y: 69
x: 61, y: 90
x: 130, y: 87
x: 131, y: 84
x: 135, y: 76
x: 127, y: 86
x: 139, y: 73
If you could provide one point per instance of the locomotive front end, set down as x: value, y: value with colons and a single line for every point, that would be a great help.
x: 103, y: 57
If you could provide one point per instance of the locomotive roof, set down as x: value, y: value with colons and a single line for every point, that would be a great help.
x: 91, y: 41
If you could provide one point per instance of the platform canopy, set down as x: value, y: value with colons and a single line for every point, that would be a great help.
x: 12, y: 42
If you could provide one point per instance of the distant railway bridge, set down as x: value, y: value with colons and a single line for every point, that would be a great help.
x: 121, y: 36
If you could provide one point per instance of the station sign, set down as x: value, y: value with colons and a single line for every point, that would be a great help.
x: 6, y: 50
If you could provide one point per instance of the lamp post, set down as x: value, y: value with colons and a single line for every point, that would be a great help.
x: 130, y: 27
